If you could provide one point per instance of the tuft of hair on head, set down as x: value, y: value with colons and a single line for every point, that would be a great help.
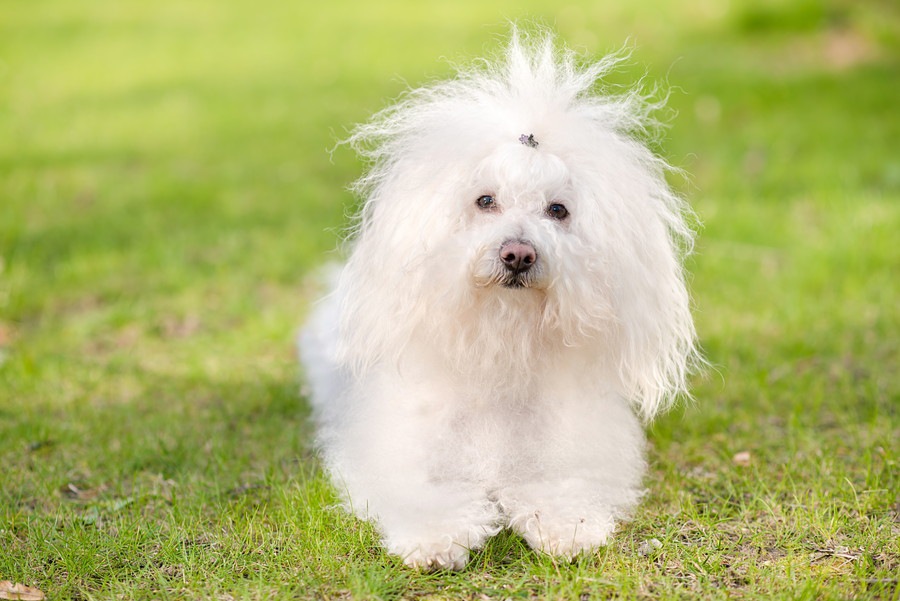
x: 533, y: 71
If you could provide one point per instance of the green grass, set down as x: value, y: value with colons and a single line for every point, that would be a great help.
x: 166, y: 188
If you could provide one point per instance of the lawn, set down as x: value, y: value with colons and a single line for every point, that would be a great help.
x: 167, y: 188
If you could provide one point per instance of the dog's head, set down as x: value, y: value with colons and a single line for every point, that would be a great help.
x: 518, y: 212
x: 513, y: 202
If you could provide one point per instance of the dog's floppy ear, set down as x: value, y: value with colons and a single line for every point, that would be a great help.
x: 655, y: 339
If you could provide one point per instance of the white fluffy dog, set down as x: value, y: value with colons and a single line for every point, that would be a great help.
x: 512, y: 306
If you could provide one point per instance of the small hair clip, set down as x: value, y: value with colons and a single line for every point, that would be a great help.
x: 528, y: 140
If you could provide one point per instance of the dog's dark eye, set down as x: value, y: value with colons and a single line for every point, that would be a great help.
x: 486, y: 202
x: 557, y: 211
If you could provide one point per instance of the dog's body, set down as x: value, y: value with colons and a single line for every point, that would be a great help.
x: 513, y: 298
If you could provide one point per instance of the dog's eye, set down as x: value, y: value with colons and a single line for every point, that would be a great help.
x: 557, y: 211
x: 486, y: 202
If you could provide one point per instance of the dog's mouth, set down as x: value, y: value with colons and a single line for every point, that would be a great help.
x: 515, y: 282
x: 518, y: 281
x: 510, y: 281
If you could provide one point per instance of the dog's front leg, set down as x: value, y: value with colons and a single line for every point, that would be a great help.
x: 587, y: 452
x: 399, y: 465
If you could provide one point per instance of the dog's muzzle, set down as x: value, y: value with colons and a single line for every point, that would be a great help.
x: 517, y: 257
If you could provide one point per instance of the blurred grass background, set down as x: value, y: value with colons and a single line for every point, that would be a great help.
x: 166, y: 187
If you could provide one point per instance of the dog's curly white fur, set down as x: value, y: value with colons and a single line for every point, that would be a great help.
x: 513, y: 304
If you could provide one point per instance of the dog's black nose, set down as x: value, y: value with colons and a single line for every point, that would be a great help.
x: 518, y: 256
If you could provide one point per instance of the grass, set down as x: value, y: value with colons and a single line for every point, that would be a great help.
x: 165, y: 188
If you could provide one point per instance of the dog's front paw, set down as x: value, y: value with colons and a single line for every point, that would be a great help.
x: 432, y: 558
x: 439, y: 537
x: 564, y: 537
x: 440, y: 555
